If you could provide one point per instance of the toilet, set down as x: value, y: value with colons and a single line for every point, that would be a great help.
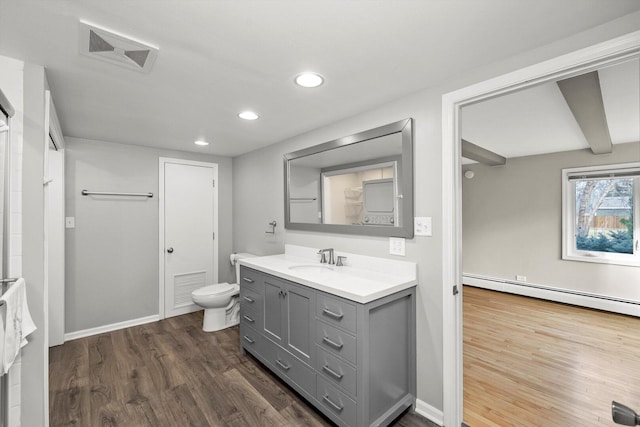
x: 220, y: 301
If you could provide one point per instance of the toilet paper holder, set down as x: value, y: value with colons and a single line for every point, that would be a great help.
x: 272, y: 224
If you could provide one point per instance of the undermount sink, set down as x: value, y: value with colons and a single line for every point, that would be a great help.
x: 311, y: 268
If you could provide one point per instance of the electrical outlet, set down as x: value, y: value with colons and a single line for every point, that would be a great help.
x: 396, y: 246
x: 520, y: 278
x: 422, y: 226
x: 70, y: 222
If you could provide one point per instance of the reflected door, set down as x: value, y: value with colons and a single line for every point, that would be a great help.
x: 4, y: 141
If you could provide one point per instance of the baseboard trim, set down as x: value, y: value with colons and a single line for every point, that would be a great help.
x: 567, y: 296
x: 429, y: 412
x: 111, y: 327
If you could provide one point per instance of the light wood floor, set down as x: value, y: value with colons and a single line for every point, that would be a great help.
x: 171, y: 373
x: 530, y: 362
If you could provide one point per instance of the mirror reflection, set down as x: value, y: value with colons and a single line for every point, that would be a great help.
x: 353, y: 182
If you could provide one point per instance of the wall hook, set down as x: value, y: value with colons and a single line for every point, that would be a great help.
x: 272, y: 224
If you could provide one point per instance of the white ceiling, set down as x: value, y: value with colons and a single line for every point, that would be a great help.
x: 218, y: 58
x: 537, y: 120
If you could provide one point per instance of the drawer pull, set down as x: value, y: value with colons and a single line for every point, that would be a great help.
x: 338, y: 408
x: 246, y: 279
x: 337, y: 316
x: 282, y: 365
x: 251, y: 300
x: 248, y: 319
x: 331, y: 372
x: 332, y: 343
x: 249, y: 340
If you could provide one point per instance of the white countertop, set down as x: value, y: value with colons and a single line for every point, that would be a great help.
x: 363, y: 279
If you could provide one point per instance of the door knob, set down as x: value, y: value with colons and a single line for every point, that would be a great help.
x: 170, y: 250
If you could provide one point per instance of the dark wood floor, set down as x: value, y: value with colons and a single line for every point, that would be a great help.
x: 171, y: 373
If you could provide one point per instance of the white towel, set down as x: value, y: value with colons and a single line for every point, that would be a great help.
x: 17, y: 323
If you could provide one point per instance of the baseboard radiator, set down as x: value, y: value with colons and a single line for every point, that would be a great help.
x: 553, y: 293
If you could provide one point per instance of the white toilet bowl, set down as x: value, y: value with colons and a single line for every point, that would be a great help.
x: 218, y: 301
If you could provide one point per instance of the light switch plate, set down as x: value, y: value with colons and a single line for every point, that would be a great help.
x: 396, y: 246
x: 422, y: 226
x: 70, y: 222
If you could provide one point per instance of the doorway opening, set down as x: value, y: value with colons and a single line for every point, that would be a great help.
x: 580, y: 62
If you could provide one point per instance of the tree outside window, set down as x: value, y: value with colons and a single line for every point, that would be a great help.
x: 600, y: 214
x: 604, y: 215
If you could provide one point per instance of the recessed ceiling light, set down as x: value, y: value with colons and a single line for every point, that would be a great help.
x: 200, y: 142
x: 248, y: 115
x: 309, y: 79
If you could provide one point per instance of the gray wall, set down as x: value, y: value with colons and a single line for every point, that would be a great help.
x: 259, y: 196
x: 112, y: 253
x: 512, y: 224
x: 258, y: 182
x: 34, y: 356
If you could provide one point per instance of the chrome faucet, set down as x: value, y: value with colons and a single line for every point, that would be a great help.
x: 323, y: 256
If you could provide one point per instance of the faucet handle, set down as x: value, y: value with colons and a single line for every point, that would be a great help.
x: 323, y: 256
x: 340, y: 261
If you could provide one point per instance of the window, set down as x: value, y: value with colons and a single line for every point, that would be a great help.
x: 601, y: 214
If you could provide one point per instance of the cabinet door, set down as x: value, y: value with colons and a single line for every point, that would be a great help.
x: 274, y: 310
x: 300, y: 310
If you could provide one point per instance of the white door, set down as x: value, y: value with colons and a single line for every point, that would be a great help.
x: 189, y: 225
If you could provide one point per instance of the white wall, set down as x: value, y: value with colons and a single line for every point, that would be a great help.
x: 512, y: 224
x: 259, y: 197
x: 112, y: 253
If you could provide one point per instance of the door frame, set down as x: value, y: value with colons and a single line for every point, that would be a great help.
x: 568, y: 65
x: 55, y: 272
x: 162, y: 161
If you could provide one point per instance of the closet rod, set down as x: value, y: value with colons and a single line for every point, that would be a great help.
x: 107, y: 193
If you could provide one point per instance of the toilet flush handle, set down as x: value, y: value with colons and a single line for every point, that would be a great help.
x: 170, y: 250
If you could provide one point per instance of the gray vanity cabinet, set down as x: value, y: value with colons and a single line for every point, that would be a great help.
x: 289, y: 316
x: 354, y: 362
x: 274, y: 311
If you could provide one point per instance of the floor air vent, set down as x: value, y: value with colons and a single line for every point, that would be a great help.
x: 108, y: 46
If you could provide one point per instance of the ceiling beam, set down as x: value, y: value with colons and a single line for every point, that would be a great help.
x: 472, y: 151
x: 584, y: 98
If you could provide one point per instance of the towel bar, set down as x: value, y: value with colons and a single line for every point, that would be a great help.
x: 108, y: 193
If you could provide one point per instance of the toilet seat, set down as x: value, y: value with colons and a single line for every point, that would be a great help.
x: 219, y: 289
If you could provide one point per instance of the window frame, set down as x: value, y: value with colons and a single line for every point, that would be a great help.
x: 569, y: 251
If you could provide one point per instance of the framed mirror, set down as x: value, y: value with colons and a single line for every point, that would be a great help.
x: 358, y: 184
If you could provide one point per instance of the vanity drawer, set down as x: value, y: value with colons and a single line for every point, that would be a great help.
x: 250, y: 299
x: 336, y: 402
x: 254, y: 342
x: 336, y: 312
x: 336, y: 341
x: 287, y: 364
x: 250, y: 316
x: 251, y: 279
x: 336, y: 371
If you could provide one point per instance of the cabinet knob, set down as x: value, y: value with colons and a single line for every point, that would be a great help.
x: 170, y: 250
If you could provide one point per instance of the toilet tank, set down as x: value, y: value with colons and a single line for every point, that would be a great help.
x: 234, y: 261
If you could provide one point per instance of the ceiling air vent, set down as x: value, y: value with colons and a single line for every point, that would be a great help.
x: 108, y: 46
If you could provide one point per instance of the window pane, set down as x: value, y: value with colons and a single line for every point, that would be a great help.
x: 604, y: 215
